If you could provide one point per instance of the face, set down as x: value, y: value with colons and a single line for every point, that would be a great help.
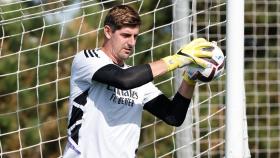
x: 121, y: 42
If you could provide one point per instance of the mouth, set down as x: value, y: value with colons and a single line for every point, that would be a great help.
x: 128, y: 50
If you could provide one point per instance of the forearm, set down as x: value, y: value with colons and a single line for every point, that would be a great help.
x: 158, y: 68
x: 173, y: 112
x: 186, y: 89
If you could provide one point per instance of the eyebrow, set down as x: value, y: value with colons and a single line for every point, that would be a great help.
x: 125, y: 33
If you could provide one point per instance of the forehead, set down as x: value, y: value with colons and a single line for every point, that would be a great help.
x: 128, y: 30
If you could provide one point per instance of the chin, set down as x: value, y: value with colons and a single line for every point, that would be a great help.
x: 127, y: 54
x: 126, y: 57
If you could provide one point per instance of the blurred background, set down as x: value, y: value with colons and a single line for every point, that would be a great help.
x: 38, y: 39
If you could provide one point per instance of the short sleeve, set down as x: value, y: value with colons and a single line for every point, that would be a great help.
x: 86, y: 63
x: 150, y: 92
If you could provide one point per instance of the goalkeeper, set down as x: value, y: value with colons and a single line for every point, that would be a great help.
x: 107, y: 96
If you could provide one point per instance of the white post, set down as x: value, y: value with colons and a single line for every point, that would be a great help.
x: 235, y: 90
x: 181, y: 31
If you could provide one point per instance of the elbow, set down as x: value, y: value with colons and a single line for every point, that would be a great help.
x: 178, y: 123
x: 172, y: 121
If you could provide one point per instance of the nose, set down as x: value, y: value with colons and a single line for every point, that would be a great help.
x: 132, y: 41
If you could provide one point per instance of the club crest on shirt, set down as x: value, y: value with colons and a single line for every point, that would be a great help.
x: 125, y: 97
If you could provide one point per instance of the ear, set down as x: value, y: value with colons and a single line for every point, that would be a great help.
x: 107, y: 31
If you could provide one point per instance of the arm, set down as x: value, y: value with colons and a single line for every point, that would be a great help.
x: 131, y: 77
x: 173, y: 112
x: 124, y: 78
x: 139, y: 75
x: 158, y: 68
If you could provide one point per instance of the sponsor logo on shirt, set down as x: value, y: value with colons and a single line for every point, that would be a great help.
x: 125, y: 97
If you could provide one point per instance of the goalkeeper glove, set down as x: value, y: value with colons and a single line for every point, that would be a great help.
x: 187, y: 79
x: 190, y: 53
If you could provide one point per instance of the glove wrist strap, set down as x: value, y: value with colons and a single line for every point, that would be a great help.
x: 187, y: 79
x: 170, y: 62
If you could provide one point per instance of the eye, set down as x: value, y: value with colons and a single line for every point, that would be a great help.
x: 126, y: 35
x: 135, y: 36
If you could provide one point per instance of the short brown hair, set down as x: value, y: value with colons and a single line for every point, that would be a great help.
x: 121, y: 16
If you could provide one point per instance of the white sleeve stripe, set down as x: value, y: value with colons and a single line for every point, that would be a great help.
x: 78, y: 122
x: 79, y: 106
x: 73, y: 145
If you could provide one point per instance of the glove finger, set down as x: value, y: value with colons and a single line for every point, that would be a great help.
x: 201, y: 62
x: 204, y: 45
x: 183, y: 60
x: 198, y: 40
x: 203, y: 54
x: 193, y: 43
x: 204, y: 50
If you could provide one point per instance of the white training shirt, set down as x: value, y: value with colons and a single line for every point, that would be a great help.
x: 106, y: 121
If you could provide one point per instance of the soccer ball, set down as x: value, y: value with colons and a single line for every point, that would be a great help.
x: 216, y: 68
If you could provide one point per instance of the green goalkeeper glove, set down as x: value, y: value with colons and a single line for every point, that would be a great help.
x: 190, y: 53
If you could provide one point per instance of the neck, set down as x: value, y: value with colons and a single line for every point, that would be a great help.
x: 109, y: 51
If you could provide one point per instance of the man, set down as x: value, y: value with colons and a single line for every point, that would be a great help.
x: 107, y: 96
